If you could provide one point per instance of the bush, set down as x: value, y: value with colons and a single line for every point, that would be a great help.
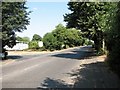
x: 50, y: 42
x: 43, y: 49
x: 33, y: 45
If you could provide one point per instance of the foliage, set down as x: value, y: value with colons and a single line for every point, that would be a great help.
x: 59, y: 33
x: 62, y: 37
x: 36, y: 37
x: 73, y: 38
x: 89, y: 17
x: 18, y: 38
x: 14, y: 19
x: 23, y: 39
x: 49, y: 41
x: 113, y: 42
x: 33, y: 45
x: 26, y: 39
x: 67, y: 37
x: 88, y: 42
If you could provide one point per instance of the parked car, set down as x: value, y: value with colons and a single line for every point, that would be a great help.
x: 3, y: 54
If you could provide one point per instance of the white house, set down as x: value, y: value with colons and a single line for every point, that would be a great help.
x: 18, y: 46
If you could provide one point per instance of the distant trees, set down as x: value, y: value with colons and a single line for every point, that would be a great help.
x: 36, y: 37
x: 23, y: 39
x: 62, y: 37
x: 33, y: 44
x: 18, y: 38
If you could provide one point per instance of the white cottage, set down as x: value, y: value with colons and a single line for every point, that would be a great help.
x: 18, y: 46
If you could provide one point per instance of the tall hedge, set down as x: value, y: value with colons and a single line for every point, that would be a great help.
x: 114, y: 43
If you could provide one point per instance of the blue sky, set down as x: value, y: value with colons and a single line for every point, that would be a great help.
x: 44, y: 18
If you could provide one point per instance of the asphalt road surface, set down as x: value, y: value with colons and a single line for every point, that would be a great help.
x: 50, y: 70
x: 31, y: 71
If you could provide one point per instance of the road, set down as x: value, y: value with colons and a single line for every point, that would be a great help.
x: 49, y: 70
x: 30, y: 72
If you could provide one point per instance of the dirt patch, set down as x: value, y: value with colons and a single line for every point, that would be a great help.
x: 35, y: 52
x: 102, y: 58
x: 25, y: 52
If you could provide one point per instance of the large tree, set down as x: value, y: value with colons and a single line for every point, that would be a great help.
x: 60, y: 34
x: 14, y: 19
x: 88, y: 17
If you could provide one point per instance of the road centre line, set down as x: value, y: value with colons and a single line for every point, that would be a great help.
x: 31, y: 67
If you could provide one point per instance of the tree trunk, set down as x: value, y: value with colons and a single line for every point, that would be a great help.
x: 98, y: 44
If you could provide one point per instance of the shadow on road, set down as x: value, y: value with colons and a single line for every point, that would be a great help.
x: 94, y: 75
x: 51, y: 83
x: 13, y: 57
x: 82, y: 53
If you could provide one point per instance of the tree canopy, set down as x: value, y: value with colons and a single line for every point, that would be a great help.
x: 36, y: 37
x: 23, y: 39
x: 14, y: 19
x: 88, y: 17
x: 50, y: 41
x: 61, y: 37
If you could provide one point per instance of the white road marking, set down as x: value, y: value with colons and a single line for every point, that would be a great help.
x: 31, y: 67
x: 15, y: 73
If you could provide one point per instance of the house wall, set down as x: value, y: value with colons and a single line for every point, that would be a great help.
x: 18, y: 46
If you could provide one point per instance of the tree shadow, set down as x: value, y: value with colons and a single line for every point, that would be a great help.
x: 52, y: 83
x: 82, y: 53
x: 14, y: 57
x: 94, y: 75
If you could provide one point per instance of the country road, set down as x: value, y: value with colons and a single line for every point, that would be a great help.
x: 57, y: 70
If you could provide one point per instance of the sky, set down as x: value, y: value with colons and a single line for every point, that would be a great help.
x: 44, y: 17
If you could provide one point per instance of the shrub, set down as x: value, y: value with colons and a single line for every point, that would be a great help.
x: 50, y: 42
x: 33, y: 45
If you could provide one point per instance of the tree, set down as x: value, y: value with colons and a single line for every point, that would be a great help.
x: 26, y: 39
x: 88, y: 17
x: 36, y: 37
x: 67, y: 37
x: 62, y: 37
x: 49, y: 41
x: 18, y: 38
x: 14, y: 19
x: 23, y: 39
x: 59, y: 33
x: 75, y: 37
